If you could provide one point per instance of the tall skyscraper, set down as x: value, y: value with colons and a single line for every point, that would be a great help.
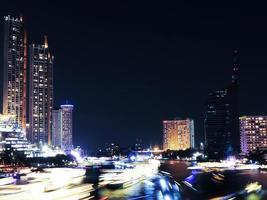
x: 67, y: 126
x: 178, y: 134
x: 15, y: 70
x: 41, y: 93
x: 253, y: 133
x: 222, y: 120
x: 57, y: 127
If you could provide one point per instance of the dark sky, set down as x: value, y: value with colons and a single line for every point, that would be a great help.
x: 127, y: 66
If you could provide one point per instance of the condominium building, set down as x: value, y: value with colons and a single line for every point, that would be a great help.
x: 15, y: 70
x: 253, y: 133
x: 41, y: 93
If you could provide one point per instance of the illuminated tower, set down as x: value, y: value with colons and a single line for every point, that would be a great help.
x: 66, y: 120
x: 15, y: 70
x: 178, y: 134
x: 56, y: 127
x: 41, y: 93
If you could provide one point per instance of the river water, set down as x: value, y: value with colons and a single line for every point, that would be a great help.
x: 207, y: 185
x: 199, y: 185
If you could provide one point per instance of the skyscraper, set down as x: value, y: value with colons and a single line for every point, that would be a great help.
x: 253, y: 132
x: 66, y: 112
x: 41, y: 93
x: 15, y: 70
x: 178, y: 134
x: 57, y: 127
x: 62, y: 127
x: 222, y: 120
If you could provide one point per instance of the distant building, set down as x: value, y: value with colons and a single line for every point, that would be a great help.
x: 253, y: 133
x: 56, y: 128
x: 67, y: 126
x: 178, y: 134
x: 15, y: 70
x: 62, y: 127
x: 221, y: 120
x: 138, y: 146
x: 41, y: 93
x: 112, y: 149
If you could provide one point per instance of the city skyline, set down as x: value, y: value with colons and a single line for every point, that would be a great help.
x: 122, y: 93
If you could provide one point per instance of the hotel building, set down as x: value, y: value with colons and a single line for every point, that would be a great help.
x: 178, y: 134
x: 253, y: 133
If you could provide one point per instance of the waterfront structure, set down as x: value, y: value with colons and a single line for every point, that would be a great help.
x: 56, y: 128
x: 15, y: 70
x: 222, y: 120
x: 253, y: 133
x: 66, y: 112
x: 41, y: 93
x: 12, y: 137
x: 178, y: 134
x: 62, y: 127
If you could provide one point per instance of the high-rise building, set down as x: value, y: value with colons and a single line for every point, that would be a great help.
x: 57, y: 127
x: 253, y: 133
x: 178, y: 134
x: 62, y: 127
x: 221, y: 120
x: 66, y: 112
x: 15, y: 70
x: 41, y: 93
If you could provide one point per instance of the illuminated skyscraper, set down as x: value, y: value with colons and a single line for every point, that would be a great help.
x: 253, y: 132
x: 66, y: 112
x: 178, y: 134
x: 222, y: 120
x: 15, y: 67
x: 41, y: 93
x: 57, y: 127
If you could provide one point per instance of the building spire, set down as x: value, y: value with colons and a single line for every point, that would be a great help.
x: 235, y: 67
x: 45, y: 42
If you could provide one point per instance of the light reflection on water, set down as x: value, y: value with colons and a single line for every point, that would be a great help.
x: 208, y: 185
x: 213, y: 184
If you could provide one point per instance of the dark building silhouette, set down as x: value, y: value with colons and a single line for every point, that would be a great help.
x: 222, y: 119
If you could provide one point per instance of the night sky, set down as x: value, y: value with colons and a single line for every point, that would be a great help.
x: 128, y: 66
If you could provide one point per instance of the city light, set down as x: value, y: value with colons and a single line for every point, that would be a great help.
x: 156, y: 95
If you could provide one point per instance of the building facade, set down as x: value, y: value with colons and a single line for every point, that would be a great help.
x: 221, y: 121
x: 178, y: 134
x: 66, y: 112
x: 12, y: 140
x: 40, y: 93
x: 62, y: 127
x: 15, y: 70
x: 57, y: 128
x: 253, y: 133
